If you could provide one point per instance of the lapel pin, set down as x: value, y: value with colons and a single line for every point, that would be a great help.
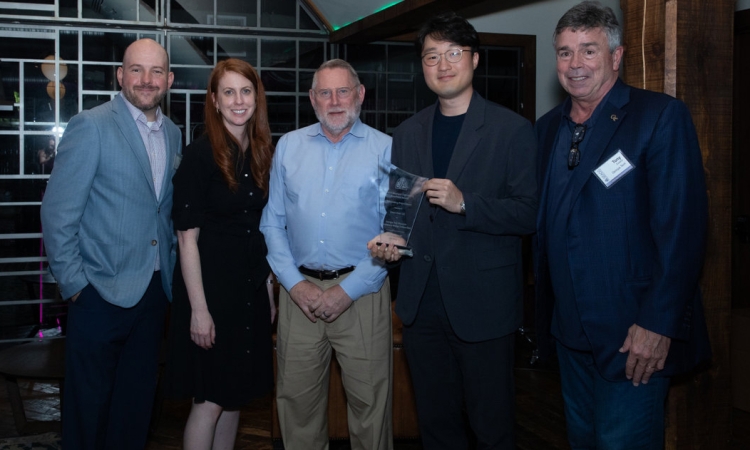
x: 613, y: 117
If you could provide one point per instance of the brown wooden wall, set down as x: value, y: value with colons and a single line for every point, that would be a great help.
x: 684, y: 48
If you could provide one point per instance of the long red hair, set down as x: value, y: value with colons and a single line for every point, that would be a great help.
x: 258, y: 130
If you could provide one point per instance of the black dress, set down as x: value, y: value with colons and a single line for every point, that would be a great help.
x: 234, y: 269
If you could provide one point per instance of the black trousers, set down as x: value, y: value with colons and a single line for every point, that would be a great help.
x: 111, y: 363
x: 451, y: 376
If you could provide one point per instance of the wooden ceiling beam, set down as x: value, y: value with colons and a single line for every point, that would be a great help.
x: 399, y: 19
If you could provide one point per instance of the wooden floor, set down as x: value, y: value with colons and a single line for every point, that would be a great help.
x: 540, y: 423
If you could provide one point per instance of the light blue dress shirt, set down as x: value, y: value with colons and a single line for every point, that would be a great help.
x: 325, y: 203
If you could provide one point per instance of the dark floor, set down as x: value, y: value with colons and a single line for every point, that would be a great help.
x: 540, y: 420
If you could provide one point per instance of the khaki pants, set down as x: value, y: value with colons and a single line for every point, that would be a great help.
x: 362, y: 338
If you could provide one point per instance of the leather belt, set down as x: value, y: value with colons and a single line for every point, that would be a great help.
x: 325, y: 274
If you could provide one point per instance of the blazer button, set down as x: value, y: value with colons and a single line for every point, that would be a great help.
x: 428, y: 258
x: 153, y: 242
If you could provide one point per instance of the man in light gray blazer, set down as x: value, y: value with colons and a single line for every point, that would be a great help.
x: 110, y: 244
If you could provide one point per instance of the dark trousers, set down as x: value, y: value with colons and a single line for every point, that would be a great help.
x: 111, y: 358
x: 609, y: 415
x: 450, y: 375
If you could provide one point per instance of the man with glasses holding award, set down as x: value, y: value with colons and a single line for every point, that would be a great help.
x: 620, y: 242
x: 326, y: 200
x: 460, y: 293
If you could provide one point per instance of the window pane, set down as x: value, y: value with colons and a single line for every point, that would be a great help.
x: 239, y: 13
x: 188, y: 78
x: 374, y: 90
x: 282, y: 113
x: 43, y: 8
x: 9, y: 160
x: 278, y: 53
x: 305, y: 81
x: 197, y: 12
x: 245, y: 49
x: 503, y: 62
x: 39, y: 156
x: 9, y: 90
x: 100, y: 78
x: 179, y: 112
x: 403, y: 58
x: 38, y: 106
x: 91, y: 101
x: 69, y: 45
x: 306, y: 112
x: 504, y: 91
x: 306, y: 22
x: 366, y: 57
x: 311, y: 54
x: 279, y: 81
x: 107, y: 47
x: 401, y: 93
x: 278, y: 14
x: 193, y: 50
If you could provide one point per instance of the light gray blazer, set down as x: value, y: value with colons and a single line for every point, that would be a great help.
x: 101, y: 220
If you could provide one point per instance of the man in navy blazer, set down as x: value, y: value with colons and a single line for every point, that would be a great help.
x: 620, y: 241
x: 111, y: 247
x: 460, y: 295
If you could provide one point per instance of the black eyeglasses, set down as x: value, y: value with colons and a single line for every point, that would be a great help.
x: 574, y: 157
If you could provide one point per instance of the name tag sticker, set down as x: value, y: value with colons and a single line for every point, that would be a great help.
x: 614, y: 169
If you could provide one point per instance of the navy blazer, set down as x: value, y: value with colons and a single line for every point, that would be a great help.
x: 477, y: 256
x: 102, y: 220
x: 635, y: 250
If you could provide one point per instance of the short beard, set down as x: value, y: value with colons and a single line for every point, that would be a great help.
x: 351, y: 116
x: 135, y: 101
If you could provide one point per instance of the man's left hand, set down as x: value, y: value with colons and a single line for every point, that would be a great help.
x: 444, y: 193
x: 648, y: 352
x: 331, y: 304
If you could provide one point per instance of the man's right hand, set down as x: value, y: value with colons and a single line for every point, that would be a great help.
x: 384, y: 246
x: 304, y: 294
x: 75, y: 296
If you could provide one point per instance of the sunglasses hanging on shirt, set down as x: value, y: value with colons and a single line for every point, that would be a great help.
x: 574, y: 157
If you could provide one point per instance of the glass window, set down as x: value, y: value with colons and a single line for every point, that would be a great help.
x: 239, y: 13
x: 242, y: 48
x: 197, y: 12
x: 279, y: 81
x: 9, y: 92
x: 307, y: 22
x: 10, y: 163
x: 104, y: 46
x: 311, y: 54
x: 192, y: 50
x: 282, y: 113
x: 366, y: 57
x: 100, y: 77
x: 505, y: 62
x: 191, y: 78
x: 403, y: 58
x: 278, y: 53
x: 276, y: 14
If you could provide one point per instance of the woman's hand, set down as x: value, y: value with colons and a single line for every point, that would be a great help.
x: 202, y: 330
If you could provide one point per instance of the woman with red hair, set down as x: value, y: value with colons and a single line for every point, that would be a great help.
x: 223, y: 309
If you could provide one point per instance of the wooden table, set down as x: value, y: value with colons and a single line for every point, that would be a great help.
x: 38, y: 360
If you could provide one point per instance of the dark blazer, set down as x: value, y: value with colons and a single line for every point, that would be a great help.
x: 636, y: 249
x: 477, y: 256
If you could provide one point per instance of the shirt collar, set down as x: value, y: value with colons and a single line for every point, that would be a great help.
x: 139, y: 116
x: 568, y: 104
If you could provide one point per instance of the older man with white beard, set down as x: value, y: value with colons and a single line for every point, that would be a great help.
x: 324, y: 205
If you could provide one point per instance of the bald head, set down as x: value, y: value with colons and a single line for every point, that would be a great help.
x: 144, y: 75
